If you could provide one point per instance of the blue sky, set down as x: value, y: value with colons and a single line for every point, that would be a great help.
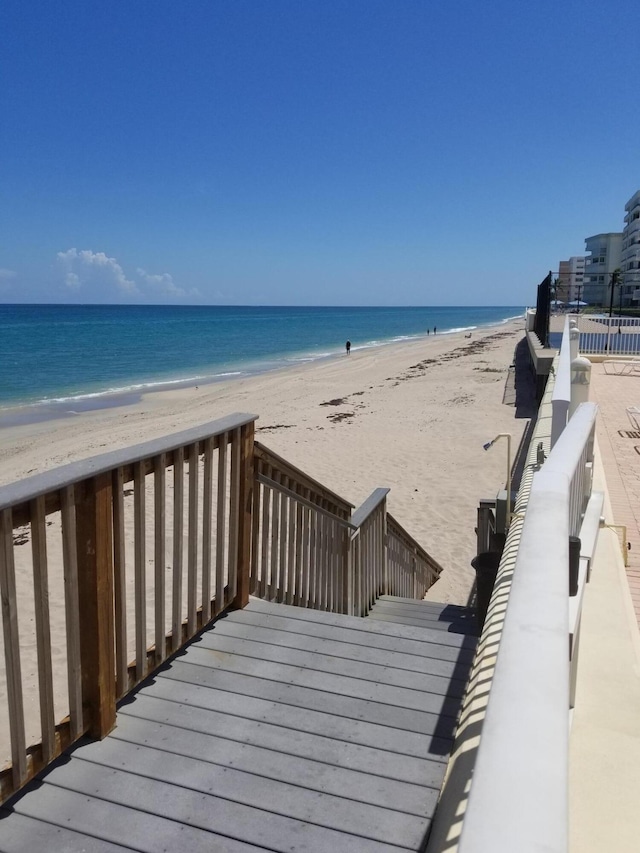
x: 347, y: 152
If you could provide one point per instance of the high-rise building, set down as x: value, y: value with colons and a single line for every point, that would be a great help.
x: 630, y: 257
x: 603, y: 258
x: 571, y: 280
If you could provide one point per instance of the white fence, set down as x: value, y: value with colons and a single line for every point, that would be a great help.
x: 519, y: 794
x: 605, y: 336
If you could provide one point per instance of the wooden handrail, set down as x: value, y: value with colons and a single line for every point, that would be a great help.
x: 88, y: 497
x: 15, y: 494
x: 230, y: 516
x: 301, y: 479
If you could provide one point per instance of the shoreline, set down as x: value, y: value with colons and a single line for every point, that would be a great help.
x: 25, y: 413
x: 411, y: 416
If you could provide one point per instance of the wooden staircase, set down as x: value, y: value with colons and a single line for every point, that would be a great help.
x: 279, y: 728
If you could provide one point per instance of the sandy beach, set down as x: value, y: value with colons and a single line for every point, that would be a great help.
x: 411, y: 416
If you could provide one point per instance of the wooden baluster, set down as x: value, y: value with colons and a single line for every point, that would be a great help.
x: 72, y: 609
x: 12, y: 649
x: 207, y: 520
x: 298, y: 562
x: 264, y: 585
x: 256, y: 510
x: 159, y: 555
x: 306, y: 561
x: 120, y: 583
x: 275, y: 534
x: 282, y: 558
x: 178, y: 548
x: 140, y: 568
x: 291, y: 557
x: 234, y: 510
x: 220, y: 522
x: 96, y: 606
x: 192, y: 541
x: 246, y: 508
x: 43, y: 630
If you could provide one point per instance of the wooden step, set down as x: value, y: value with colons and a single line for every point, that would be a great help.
x: 431, y: 615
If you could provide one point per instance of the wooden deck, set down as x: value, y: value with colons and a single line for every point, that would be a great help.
x: 278, y: 729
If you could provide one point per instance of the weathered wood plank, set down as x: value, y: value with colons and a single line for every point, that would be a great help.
x: 259, y: 646
x: 234, y: 513
x: 192, y: 549
x: 422, y: 722
x: 57, y: 478
x: 381, y: 761
x: 366, y: 630
x: 276, y: 669
x: 140, y: 569
x: 329, y: 643
x: 159, y: 554
x: 290, y: 718
x: 241, y: 772
x: 207, y: 522
x: 178, y: 548
x: 11, y: 639
x: 94, y: 537
x: 43, y: 630
x: 72, y: 610
x: 116, y: 825
x: 220, y: 523
x: 21, y: 834
x: 120, y: 584
x: 153, y: 797
x: 246, y: 508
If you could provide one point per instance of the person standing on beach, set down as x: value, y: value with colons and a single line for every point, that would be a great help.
x: 348, y: 347
x: 435, y: 330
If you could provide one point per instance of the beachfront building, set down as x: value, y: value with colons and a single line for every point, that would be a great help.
x: 571, y: 279
x: 603, y: 258
x: 629, y: 294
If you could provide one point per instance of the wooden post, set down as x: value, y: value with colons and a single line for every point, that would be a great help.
x: 245, y: 515
x: 94, y: 536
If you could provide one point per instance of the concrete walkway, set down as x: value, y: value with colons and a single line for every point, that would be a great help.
x: 619, y: 445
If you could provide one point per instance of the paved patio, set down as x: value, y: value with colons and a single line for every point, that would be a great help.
x: 619, y: 445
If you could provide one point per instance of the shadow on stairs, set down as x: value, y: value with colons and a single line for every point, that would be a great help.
x: 278, y: 728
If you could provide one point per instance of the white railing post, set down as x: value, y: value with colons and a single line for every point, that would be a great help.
x: 580, y: 380
x: 561, y: 396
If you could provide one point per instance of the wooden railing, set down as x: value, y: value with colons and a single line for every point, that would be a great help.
x: 300, y: 537
x: 308, y: 549
x: 134, y: 551
x: 410, y: 569
x: 368, y: 578
x: 181, y: 504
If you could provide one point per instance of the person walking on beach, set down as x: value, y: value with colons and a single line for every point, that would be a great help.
x: 434, y: 330
x: 348, y: 347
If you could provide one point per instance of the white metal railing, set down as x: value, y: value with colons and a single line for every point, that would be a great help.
x: 519, y: 793
x: 609, y: 336
x: 561, y: 397
x: 573, y: 457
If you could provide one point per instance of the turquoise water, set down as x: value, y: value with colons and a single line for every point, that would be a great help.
x: 54, y: 354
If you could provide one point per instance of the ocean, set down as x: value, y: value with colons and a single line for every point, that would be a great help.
x: 77, y: 357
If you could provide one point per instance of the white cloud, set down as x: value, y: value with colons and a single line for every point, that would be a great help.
x: 96, y: 270
x: 85, y: 270
x: 7, y: 275
x: 164, y: 284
